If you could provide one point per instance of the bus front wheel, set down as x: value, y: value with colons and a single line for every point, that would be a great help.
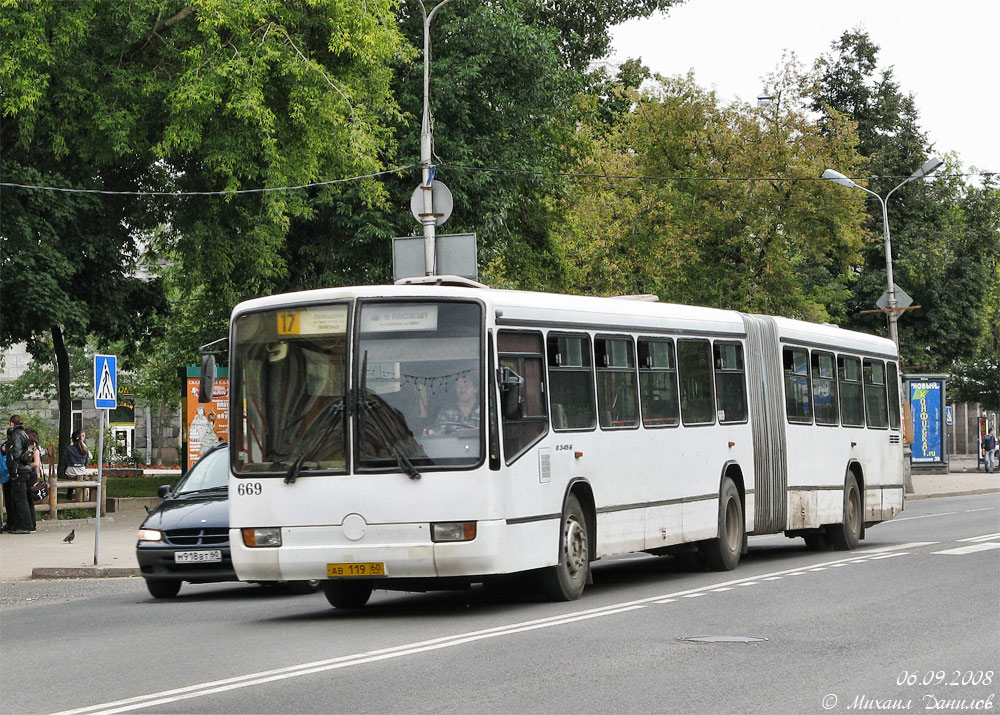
x: 846, y: 535
x: 723, y: 553
x: 565, y: 581
x: 347, y: 594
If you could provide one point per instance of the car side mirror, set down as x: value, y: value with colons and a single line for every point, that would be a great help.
x: 207, y: 381
x: 510, y: 393
x: 164, y: 491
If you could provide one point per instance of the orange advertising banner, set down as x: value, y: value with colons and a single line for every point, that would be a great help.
x: 207, y: 422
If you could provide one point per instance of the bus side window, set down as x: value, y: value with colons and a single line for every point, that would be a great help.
x: 824, y: 388
x: 875, y: 397
x: 571, y: 382
x: 852, y: 404
x: 694, y: 363
x: 658, y: 383
x: 617, y: 405
x: 522, y: 352
x: 892, y: 382
x: 798, y: 397
x: 730, y: 387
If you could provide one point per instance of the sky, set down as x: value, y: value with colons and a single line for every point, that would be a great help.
x: 946, y: 53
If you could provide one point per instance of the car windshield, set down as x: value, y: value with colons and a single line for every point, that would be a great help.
x: 210, y: 472
x: 419, y: 375
x: 288, y: 397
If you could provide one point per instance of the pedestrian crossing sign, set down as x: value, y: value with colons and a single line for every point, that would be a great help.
x: 105, y: 382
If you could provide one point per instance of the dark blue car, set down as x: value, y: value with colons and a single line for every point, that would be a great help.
x: 186, y: 538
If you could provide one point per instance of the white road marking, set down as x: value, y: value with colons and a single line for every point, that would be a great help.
x: 922, y: 516
x: 971, y: 549
x: 720, y: 590
x: 294, y: 671
x: 985, y: 537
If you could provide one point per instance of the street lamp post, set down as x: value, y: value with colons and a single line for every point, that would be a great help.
x: 836, y: 177
x: 427, y: 218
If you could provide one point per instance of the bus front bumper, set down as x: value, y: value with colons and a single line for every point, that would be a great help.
x: 402, y: 550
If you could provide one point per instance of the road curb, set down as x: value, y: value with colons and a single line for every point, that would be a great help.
x: 915, y: 497
x: 84, y: 572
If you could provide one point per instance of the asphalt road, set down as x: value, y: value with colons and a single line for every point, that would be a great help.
x: 909, y: 622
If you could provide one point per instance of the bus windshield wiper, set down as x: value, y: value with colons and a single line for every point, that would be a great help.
x: 293, y: 471
x: 370, y: 411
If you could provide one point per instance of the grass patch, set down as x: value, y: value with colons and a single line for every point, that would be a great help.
x: 122, y: 487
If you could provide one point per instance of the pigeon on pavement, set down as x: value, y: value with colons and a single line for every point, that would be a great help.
x: 70, y: 536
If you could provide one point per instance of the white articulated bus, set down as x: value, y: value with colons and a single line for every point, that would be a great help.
x: 440, y: 433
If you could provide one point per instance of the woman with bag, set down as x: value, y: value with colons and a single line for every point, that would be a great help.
x: 19, y: 446
x: 36, y: 474
x: 75, y: 458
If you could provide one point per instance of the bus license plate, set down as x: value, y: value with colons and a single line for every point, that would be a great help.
x: 371, y: 568
x: 198, y: 557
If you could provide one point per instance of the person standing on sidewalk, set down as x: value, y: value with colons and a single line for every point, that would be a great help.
x: 990, y: 451
x: 18, y: 442
x: 36, y: 473
x: 75, y: 458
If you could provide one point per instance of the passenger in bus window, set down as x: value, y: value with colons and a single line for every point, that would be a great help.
x: 463, y: 412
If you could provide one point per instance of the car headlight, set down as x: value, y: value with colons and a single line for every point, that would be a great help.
x: 261, y: 536
x: 150, y: 535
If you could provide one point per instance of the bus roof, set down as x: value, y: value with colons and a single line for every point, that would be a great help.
x: 556, y: 310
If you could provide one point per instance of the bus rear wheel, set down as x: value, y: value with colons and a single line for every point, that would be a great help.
x: 846, y: 535
x: 723, y: 553
x: 565, y: 581
x: 347, y: 594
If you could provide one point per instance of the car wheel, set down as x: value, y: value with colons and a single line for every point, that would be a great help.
x: 302, y: 587
x: 161, y: 588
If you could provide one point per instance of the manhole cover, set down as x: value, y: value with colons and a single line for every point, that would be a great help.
x: 724, y: 639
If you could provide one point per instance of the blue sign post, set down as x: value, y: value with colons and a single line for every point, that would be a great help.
x: 927, y: 410
x: 105, y: 382
x: 105, y: 398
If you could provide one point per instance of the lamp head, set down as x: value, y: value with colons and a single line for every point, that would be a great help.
x: 928, y: 166
x: 838, y: 178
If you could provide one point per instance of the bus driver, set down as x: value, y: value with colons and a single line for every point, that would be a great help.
x: 465, y: 410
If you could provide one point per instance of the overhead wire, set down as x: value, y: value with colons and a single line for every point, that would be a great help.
x: 459, y: 167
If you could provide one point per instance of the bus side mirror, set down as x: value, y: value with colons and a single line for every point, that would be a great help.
x: 510, y: 393
x: 207, y: 381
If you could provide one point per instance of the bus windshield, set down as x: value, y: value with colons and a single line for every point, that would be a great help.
x: 419, y: 377
x: 289, y: 392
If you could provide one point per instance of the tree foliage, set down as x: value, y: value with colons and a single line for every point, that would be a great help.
x: 169, y: 96
x: 944, y: 231
x: 725, y: 210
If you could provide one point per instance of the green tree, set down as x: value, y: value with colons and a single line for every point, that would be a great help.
x: 943, y: 230
x: 505, y: 81
x: 728, y: 213
x: 192, y: 97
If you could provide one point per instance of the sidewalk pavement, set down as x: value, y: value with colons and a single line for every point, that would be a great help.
x: 44, y: 554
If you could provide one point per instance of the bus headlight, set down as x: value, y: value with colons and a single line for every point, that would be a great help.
x: 150, y: 535
x: 262, y: 536
x: 454, y: 531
